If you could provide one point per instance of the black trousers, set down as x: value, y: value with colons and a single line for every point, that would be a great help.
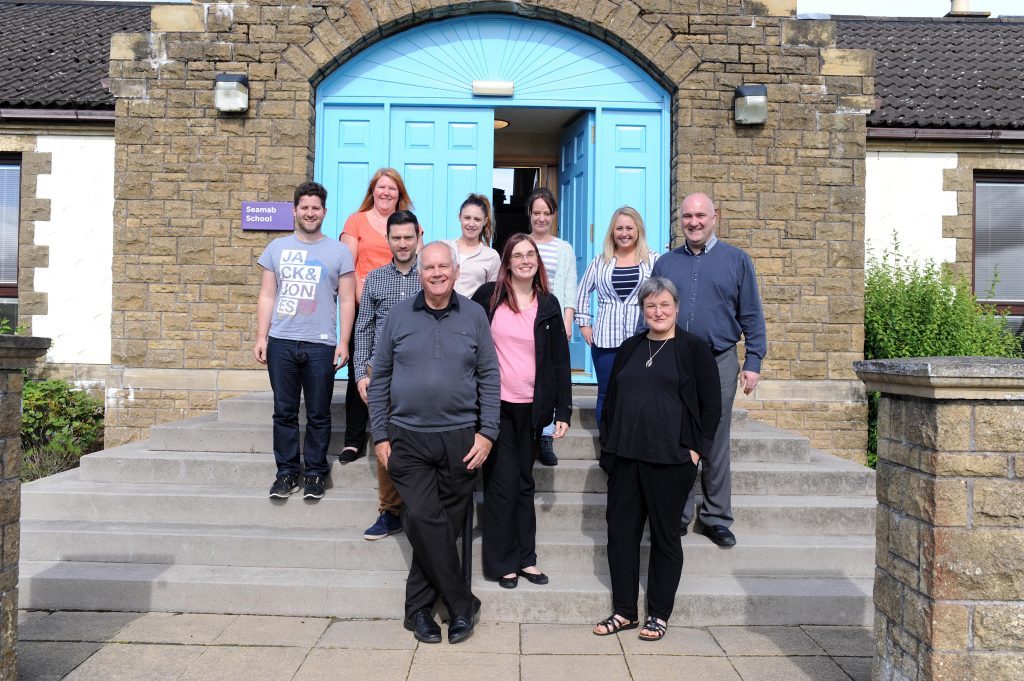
x: 436, y: 488
x: 509, y: 518
x: 357, y: 415
x: 638, y: 491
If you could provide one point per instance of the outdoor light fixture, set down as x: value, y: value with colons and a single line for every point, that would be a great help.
x: 493, y: 88
x: 231, y: 92
x: 750, y: 104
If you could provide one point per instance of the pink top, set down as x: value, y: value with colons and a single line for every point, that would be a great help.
x: 517, y: 352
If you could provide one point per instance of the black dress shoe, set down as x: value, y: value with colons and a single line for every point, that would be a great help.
x: 538, y: 578
x: 720, y: 535
x: 350, y: 454
x: 508, y: 582
x: 461, y: 626
x: 423, y: 627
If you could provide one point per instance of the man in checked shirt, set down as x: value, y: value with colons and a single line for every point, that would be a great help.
x: 385, y: 286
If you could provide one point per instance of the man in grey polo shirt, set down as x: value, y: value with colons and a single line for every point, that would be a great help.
x: 434, y: 402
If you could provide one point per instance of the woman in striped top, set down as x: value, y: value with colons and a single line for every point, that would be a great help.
x: 560, y: 264
x: 616, y: 275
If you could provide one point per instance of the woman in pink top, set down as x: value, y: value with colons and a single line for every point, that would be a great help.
x: 533, y: 355
x: 365, y: 235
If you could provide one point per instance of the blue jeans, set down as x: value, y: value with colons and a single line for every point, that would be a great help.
x: 294, y: 367
x: 604, y: 358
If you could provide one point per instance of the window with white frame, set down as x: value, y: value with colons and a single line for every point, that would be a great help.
x: 10, y: 194
x: 999, y: 239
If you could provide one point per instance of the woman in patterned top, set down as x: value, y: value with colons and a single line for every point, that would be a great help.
x: 616, y: 275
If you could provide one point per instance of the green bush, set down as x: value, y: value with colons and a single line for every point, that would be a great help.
x: 58, y: 425
x: 922, y: 310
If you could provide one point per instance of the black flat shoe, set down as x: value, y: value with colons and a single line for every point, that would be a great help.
x: 423, y: 627
x: 539, y: 578
x: 508, y: 582
x: 720, y: 535
x: 461, y: 626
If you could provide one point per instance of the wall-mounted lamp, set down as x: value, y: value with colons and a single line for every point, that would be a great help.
x: 499, y: 124
x: 231, y: 92
x: 493, y: 88
x: 750, y: 104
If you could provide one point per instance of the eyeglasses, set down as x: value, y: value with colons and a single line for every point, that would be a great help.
x: 520, y: 257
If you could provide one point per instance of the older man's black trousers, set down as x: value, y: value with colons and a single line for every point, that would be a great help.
x: 436, y: 487
x: 638, y: 491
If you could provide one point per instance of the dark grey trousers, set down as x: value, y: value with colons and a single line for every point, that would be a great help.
x: 715, y: 468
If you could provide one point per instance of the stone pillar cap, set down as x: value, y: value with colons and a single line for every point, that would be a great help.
x: 991, y: 378
x: 19, y: 352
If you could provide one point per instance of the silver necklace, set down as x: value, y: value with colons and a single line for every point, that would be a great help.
x: 650, y: 356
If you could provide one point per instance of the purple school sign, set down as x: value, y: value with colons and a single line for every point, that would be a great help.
x: 268, y: 216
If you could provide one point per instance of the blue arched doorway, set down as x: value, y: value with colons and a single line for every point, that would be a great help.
x: 592, y: 123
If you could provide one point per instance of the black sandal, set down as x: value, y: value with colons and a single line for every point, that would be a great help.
x: 652, y: 624
x: 614, y: 624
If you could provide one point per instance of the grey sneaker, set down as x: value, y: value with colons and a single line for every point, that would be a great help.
x: 284, y: 487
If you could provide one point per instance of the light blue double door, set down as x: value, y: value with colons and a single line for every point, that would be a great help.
x: 607, y: 159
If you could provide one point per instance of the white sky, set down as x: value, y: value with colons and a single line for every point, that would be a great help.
x: 906, y: 8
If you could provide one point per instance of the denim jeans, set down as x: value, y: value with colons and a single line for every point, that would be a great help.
x: 294, y: 367
x: 604, y: 358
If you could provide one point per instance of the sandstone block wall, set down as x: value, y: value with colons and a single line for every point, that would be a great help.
x: 949, y: 582
x: 791, y: 192
x: 16, y: 353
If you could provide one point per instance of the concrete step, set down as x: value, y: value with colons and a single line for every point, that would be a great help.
x: 259, y: 408
x: 750, y: 442
x: 560, y: 552
x: 134, y: 463
x: 65, y: 497
x: 704, y: 601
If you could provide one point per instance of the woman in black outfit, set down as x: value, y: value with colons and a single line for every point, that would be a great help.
x: 660, y: 414
x: 533, y: 355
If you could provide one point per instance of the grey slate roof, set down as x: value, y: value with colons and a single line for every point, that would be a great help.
x: 943, y: 73
x: 53, y: 55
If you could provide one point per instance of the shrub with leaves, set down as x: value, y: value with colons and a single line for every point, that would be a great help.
x: 59, y: 424
x: 922, y: 310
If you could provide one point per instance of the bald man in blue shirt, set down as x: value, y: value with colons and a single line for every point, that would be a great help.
x: 718, y: 301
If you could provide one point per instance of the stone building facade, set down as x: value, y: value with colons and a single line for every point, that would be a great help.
x: 791, y: 191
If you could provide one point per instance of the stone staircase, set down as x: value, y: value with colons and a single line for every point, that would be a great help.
x: 182, y: 523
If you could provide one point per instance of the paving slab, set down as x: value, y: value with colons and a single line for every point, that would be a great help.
x: 681, y: 668
x: 180, y: 628
x: 443, y: 663
x: 26, y: 616
x: 843, y: 641
x: 51, y: 660
x: 489, y: 637
x: 266, y: 630
x: 136, y: 662
x: 859, y: 668
x: 77, y: 626
x: 331, y: 664
x: 228, y: 663
x: 765, y: 640
x: 561, y: 667
x: 579, y: 639
x: 367, y: 635
x: 678, y: 641
x: 788, y: 669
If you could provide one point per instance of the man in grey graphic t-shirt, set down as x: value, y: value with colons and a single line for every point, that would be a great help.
x: 308, y: 283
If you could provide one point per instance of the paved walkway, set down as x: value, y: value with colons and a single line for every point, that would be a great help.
x: 112, y: 646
